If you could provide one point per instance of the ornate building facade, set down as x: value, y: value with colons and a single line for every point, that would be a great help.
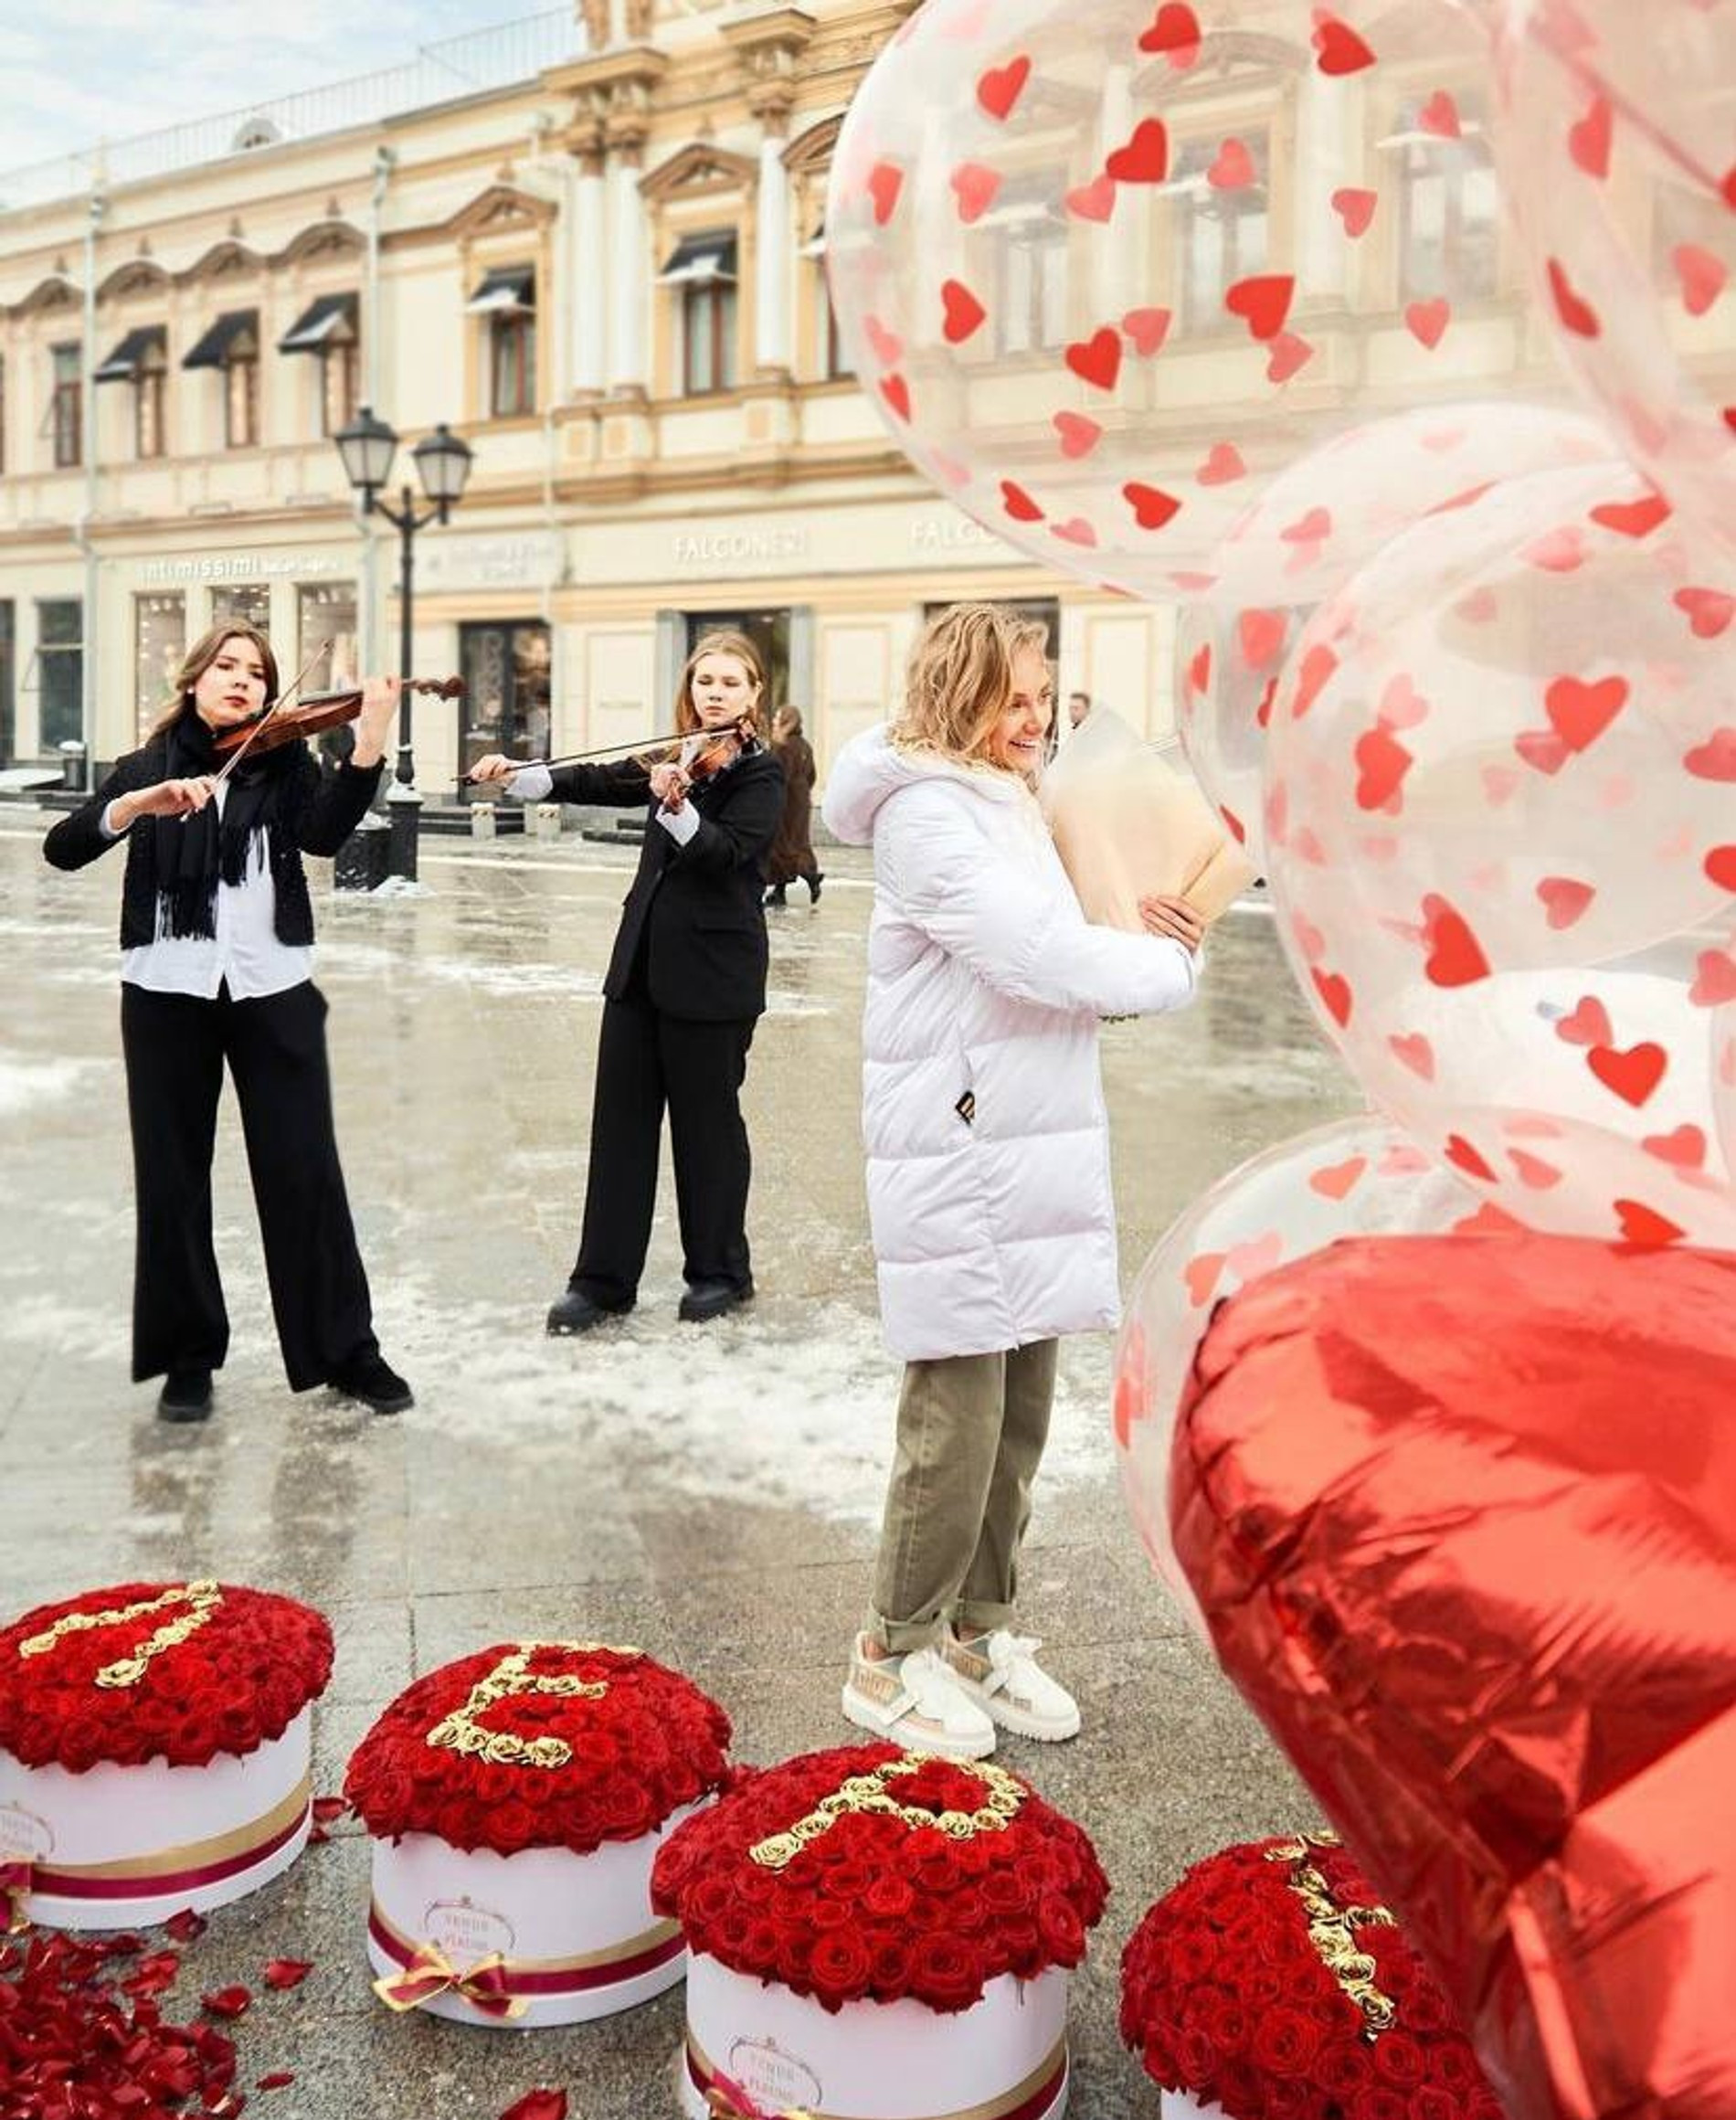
x: 604, y: 271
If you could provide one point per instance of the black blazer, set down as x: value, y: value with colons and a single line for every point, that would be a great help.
x: 695, y: 909
x: 322, y: 815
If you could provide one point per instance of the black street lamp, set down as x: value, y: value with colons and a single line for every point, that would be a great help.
x: 443, y: 462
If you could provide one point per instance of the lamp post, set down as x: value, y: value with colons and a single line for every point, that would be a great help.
x: 443, y: 462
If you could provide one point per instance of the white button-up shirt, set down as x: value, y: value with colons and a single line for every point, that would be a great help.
x: 245, y: 949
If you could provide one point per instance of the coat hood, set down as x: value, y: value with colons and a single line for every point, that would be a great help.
x: 871, y: 768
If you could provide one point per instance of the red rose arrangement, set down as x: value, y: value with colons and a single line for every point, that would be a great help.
x: 180, y: 1671
x: 539, y: 1745
x: 869, y: 1872
x: 1271, y: 1983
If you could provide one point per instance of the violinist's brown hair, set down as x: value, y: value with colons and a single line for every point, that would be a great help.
x: 722, y: 642
x: 199, y: 658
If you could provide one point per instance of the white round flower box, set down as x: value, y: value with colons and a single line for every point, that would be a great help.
x: 1005, y: 2058
x: 122, y: 1847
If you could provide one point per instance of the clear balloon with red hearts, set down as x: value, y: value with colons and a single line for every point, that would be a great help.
x: 1352, y: 1177
x: 1502, y: 842
x: 1107, y: 272
x: 1616, y: 151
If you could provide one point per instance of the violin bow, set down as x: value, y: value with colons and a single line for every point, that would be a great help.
x: 277, y: 705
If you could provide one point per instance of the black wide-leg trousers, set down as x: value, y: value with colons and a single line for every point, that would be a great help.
x: 176, y: 1047
x: 647, y: 1061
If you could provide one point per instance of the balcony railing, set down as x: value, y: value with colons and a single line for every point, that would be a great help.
x: 441, y: 72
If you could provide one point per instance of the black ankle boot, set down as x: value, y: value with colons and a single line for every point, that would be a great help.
x: 185, y: 1396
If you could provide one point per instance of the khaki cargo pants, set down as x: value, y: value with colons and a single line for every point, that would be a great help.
x: 971, y: 1429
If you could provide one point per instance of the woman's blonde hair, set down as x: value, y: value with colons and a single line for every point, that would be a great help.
x: 719, y: 643
x: 959, y: 680
x: 199, y: 658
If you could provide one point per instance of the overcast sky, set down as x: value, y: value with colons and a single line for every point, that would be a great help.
x: 75, y: 71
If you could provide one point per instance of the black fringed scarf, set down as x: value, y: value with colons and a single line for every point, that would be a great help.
x: 195, y: 853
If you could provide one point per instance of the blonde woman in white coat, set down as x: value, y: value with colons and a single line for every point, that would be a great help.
x: 988, y: 1162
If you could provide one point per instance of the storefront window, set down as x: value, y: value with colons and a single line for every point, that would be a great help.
x: 768, y: 631
x: 7, y: 635
x: 60, y: 671
x: 246, y: 603
x: 160, y: 646
x: 507, y: 689
x: 326, y: 612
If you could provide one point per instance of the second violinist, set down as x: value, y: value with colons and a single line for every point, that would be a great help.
x: 686, y: 987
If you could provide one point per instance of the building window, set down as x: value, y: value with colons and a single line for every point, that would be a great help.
x: 506, y: 302
x: 231, y: 347
x: 149, y: 398
x: 1449, y: 207
x: 701, y: 270
x: 507, y: 672
x: 325, y: 612
x: 3, y: 413
x: 8, y: 737
x: 328, y: 330
x: 65, y: 410
x: 241, y: 395
x: 159, y: 649
x: 60, y: 668
x: 1028, y: 263
x: 245, y: 603
x: 1220, y: 229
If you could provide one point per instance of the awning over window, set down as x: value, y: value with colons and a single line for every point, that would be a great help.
x: 332, y: 316
x: 214, y: 349
x: 698, y: 259
x: 129, y: 357
x: 509, y: 288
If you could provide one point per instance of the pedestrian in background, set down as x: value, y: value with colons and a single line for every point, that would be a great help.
x: 1078, y: 708
x: 685, y: 986
x: 217, y: 936
x: 792, y: 851
x: 987, y: 1152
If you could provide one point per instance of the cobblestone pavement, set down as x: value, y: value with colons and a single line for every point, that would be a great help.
x: 710, y: 1494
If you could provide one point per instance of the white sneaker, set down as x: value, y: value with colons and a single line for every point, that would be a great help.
x: 1000, y: 1674
x: 914, y: 1701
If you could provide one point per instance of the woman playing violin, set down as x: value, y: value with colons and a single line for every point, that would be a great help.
x: 216, y: 935
x: 685, y: 986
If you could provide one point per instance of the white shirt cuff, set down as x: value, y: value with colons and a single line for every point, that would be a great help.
x: 103, y: 825
x: 532, y: 784
x: 680, y: 824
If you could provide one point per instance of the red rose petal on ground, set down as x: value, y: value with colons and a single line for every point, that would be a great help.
x: 279, y: 2080
x: 283, y: 1973
x: 327, y: 1810
x: 185, y: 1925
x: 538, y: 2105
x: 228, y: 2002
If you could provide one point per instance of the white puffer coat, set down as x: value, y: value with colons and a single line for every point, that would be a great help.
x: 982, y: 1102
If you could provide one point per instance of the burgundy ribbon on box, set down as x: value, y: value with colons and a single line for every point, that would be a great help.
x: 525, y: 1979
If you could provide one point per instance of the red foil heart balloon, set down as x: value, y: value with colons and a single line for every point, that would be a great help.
x: 1461, y: 1514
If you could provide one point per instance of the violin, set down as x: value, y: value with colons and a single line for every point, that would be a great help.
x: 316, y: 713
x: 699, y: 754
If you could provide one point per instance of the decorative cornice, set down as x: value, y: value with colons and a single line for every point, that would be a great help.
x: 502, y: 210
x: 331, y: 238
x: 810, y: 152
x: 55, y: 293
x: 137, y: 276
x: 223, y: 261
x: 698, y: 170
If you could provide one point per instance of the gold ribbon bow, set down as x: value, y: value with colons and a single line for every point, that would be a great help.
x: 725, y: 2100
x: 14, y: 1884
x: 430, y: 1973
